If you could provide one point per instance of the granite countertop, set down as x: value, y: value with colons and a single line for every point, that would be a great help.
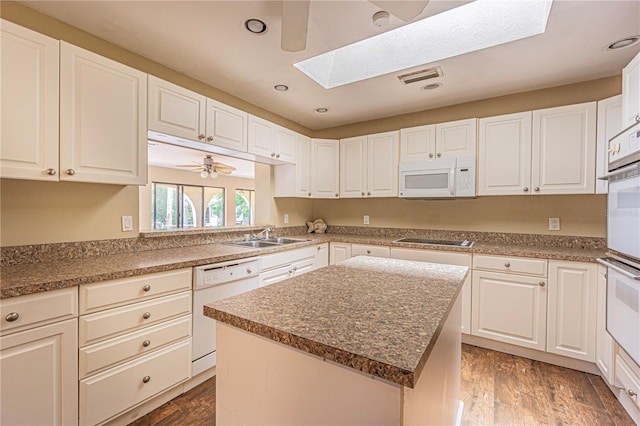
x: 379, y: 316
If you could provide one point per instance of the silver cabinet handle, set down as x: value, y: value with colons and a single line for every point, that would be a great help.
x: 146, y: 287
x: 631, y: 392
x: 542, y: 283
x: 336, y: 194
x: 273, y: 154
x: 201, y: 136
x: 430, y: 155
x: 368, y: 193
x: 51, y: 172
x: 637, y: 118
x: 146, y: 343
x: 146, y: 315
x: 146, y: 379
x: 318, y: 248
x: 507, y: 265
x: 70, y: 172
x: 537, y: 189
x: 277, y: 155
x: 210, y: 139
x: 363, y: 194
x: 368, y: 251
x: 309, y: 194
x: 438, y: 155
x: 11, y: 317
x: 525, y: 189
x: 249, y: 270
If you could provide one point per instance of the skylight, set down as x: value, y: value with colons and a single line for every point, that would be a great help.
x: 473, y: 26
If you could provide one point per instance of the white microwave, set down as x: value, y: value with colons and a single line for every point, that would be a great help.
x: 440, y: 178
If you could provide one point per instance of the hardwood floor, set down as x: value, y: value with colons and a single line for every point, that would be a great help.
x: 497, y: 389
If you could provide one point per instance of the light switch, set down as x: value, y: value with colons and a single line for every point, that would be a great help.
x: 127, y: 223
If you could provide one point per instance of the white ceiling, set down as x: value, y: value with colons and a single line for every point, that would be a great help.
x: 206, y: 40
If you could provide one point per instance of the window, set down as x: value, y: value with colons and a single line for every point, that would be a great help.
x: 245, y: 206
x: 186, y: 206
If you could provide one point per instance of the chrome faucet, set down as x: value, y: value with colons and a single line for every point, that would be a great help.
x: 264, y: 231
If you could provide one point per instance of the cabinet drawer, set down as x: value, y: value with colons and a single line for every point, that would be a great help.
x: 114, y: 322
x: 109, y: 393
x: 627, y: 380
x: 275, y: 260
x: 110, y: 352
x: 433, y: 256
x: 376, y: 251
x: 99, y: 296
x: 38, y: 309
x: 516, y: 265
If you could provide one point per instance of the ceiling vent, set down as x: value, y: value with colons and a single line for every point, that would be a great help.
x: 421, y: 75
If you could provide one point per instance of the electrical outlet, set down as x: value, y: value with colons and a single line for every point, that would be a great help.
x: 127, y: 223
x: 554, y: 224
x: 286, y: 218
x: 366, y: 219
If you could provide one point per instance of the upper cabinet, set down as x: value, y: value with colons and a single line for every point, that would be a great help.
x: 269, y: 140
x: 609, y: 124
x: 369, y: 166
x: 325, y: 170
x: 103, y: 119
x: 631, y: 92
x: 294, y: 180
x: 176, y: 111
x: 451, y: 139
x: 548, y: 151
x: 29, y: 85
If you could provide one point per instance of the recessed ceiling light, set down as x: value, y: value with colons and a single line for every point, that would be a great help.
x: 624, y: 42
x: 321, y: 110
x: 280, y: 87
x: 255, y: 26
x: 381, y: 18
x: 432, y: 86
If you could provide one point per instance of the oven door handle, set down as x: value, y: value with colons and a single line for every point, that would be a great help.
x: 615, y: 267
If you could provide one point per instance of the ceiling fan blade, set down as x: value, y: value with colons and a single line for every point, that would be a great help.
x: 188, y: 165
x: 224, y: 172
x: 225, y: 169
x: 405, y: 10
x: 295, y: 22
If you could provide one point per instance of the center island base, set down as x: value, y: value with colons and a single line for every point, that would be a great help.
x: 263, y: 382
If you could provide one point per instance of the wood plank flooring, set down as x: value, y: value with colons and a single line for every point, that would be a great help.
x: 497, y: 389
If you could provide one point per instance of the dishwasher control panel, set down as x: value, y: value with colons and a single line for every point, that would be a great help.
x: 225, y: 272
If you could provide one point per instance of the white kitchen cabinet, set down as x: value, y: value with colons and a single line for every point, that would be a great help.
x: 504, y: 157
x: 442, y: 140
x: 449, y: 258
x: 627, y: 378
x: 369, y: 166
x: 609, y: 124
x: 303, y: 166
x: 509, y: 307
x: 604, y: 341
x: 269, y: 140
x: 29, y: 92
x: 280, y: 266
x: 103, y: 119
x: 369, y: 250
x: 631, y: 92
x: 563, y: 149
x: 339, y: 252
x: 176, y: 111
x: 322, y: 259
x: 325, y: 168
x: 571, y: 318
x: 39, y: 363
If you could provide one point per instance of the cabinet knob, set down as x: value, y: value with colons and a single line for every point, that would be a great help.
x: 146, y: 343
x: 70, y: 172
x: 507, y: 264
x: 336, y: 194
x: 277, y: 155
x: 249, y: 270
x: 363, y: 194
x: 318, y: 248
x: 368, y: 251
x: 542, y: 283
x: 537, y: 189
x: 146, y: 315
x: 631, y: 392
x: 146, y: 379
x: 430, y: 155
x: 368, y: 193
x: 201, y: 136
x: 438, y: 155
x: 13, y: 316
x: 309, y: 194
x: 210, y: 139
x: 146, y: 287
x: 295, y: 268
x: 51, y: 172
x: 638, y: 118
x: 525, y: 189
x: 273, y: 154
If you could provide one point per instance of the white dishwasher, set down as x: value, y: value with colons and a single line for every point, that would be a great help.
x: 211, y: 283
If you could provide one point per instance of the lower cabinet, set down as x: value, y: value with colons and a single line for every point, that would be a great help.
x: 280, y: 266
x: 627, y: 378
x: 339, y: 252
x: 368, y: 250
x: 604, y: 342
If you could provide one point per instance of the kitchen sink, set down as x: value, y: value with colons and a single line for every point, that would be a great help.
x: 453, y: 243
x: 265, y: 243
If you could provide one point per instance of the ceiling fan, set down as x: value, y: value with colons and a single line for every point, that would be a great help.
x: 209, y: 168
x: 295, y: 18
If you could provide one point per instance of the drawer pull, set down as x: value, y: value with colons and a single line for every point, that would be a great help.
x: 249, y: 271
x: 507, y: 265
x: 146, y: 343
x: 13, y: 316
x: 368, y: 251
x: 146, y: 287
x: 146, y: 315
x: 631, y: 393
x: 146, y: 379
x: 542, y: 283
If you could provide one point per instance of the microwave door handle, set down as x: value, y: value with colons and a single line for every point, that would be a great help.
x: 619, y: 269
x: 452, y: 178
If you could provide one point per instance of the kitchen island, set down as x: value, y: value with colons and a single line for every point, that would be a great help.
x: 367, y: 341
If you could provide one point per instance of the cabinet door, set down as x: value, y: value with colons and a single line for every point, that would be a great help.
x: 339, y: 252
x: 285, y: 145
x: 456, y: 138
x: 509, y: 308
x: 275, y: 275
x: 176, y: 111
x: 375, y: 251
x: 103, y: 119
x: 382, y: 165
x: 571, y: 321
x: 39, y: 370
x: 29, y: 92
x: 604, y: 341
x: 504, y: 158
x: 303, y: 165
x: 563, y: 150
x: 325, y: 176
x: 322, y: 258
x: 418, y: 143
x: 353, y: 167
x: 261, y: 137
x: 226, y: 126
x: 609, y: 119
x: 631, y: 92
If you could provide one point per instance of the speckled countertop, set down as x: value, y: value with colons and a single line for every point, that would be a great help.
x: 21, y: 279
x: 378, y: 316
